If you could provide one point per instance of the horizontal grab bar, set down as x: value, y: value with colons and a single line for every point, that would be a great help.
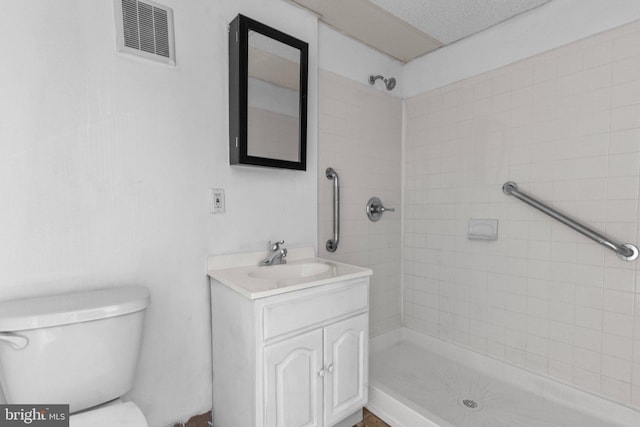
x: 625, y: 251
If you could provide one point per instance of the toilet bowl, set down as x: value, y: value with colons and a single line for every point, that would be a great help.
x: 79, y: 349
x: 120, y: 414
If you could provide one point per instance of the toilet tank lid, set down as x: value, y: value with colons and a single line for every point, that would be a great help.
x: 75, y: 307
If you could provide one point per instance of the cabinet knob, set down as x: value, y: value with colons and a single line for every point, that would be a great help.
x: 321, y: 373
x: 330, y: 368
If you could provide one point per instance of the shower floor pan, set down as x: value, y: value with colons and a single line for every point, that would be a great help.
x: 420, y: 381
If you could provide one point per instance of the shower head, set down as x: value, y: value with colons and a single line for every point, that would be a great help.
x: 389, y: 83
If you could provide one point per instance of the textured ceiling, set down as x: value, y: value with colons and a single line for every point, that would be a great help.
x: 451, y: 20
x: 407, y: 29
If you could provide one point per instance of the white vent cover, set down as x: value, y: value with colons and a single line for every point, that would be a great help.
x: 145, y: 28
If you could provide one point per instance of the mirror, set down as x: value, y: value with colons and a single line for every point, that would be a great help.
x: 267, y: 96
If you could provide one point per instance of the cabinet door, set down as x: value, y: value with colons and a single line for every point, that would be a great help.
x: 346, y: 363
x: 293, y: 381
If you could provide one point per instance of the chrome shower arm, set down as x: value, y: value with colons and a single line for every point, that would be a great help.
x: 389, y: 83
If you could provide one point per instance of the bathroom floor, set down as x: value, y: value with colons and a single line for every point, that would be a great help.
x: 370, y: 420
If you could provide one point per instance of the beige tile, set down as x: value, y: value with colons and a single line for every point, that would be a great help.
x: 616, y: 389
x: 598, y: 54
x: 626, y: 46
x: 626, y: 70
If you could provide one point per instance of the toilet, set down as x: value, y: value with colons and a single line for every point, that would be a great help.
x: 79, y: 349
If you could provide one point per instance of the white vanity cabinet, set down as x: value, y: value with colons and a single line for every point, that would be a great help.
x: 319, y: 377
x: 293, y: 359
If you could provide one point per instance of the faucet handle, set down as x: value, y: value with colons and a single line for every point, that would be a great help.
x: 275, y: 246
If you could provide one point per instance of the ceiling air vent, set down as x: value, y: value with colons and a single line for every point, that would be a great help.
x: 145, y: 28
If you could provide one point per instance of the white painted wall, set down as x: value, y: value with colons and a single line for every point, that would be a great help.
x: 354, y: 60
x: 105, y: 160
x: 555, y: 24
x: 105, y: 163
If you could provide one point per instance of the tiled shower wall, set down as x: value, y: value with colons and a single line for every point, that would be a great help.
x: 360, y: 132
x: 564, y: 125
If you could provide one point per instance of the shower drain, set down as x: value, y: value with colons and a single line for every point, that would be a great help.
x: 470, y: 404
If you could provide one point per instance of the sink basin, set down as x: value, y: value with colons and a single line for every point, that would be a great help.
x: 241, y: 272
x: 288, y: 272
x: 294, y: 273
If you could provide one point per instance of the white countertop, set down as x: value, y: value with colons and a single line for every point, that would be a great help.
x: 241, y: 272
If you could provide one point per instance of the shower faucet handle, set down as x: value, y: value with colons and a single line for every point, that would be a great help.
x: 375, y: 209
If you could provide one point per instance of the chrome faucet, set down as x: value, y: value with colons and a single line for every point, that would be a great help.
x: 276, y: 256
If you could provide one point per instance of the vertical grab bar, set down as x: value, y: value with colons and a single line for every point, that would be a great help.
x: 332, y: 244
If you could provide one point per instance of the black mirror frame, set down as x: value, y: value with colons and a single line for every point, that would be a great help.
x: 238, y: 80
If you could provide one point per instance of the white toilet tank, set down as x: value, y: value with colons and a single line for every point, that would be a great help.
x: 79, y: 348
